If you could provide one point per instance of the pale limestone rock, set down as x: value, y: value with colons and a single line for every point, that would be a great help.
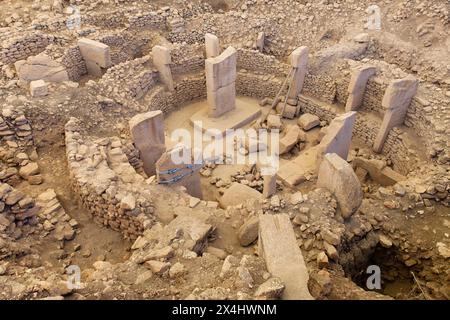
x: 336, y: 175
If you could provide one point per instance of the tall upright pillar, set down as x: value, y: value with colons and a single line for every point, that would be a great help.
x: 96, y: 55
x: 147, y: 131
x: 396, y: 100
x: 162, y: 61
x: 220, y: 82
x: 299, y: 61
x: 211, y: 46
x: 357, y: 86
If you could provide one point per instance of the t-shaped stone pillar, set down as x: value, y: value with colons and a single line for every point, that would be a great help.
x: 162, y: 61
x: 220, y: 82
x: 396, y: 101
x: 357, y: 86
x: 211, y: 46
x: 95, y: 54
x: 299, y: 61
x: 147, y: 131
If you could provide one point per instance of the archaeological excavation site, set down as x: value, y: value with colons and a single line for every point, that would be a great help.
x: 224, y: 150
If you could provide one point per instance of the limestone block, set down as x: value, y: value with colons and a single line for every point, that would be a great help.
x: 95, y: 52
x: 338, y: 137
x: 289, y: 111
x: 238, y: 193
x: 211, y: 46
x: 248, y: 232
x: 260, y: 41
x: 290, y: 139
x: 221, y: 70
x: 41, y: 67
x: 278, y: 246
x: 147, y: 131
x: 274, y: 121
x: 270, y: 185
x: 38, y: 88
x: 162, y: 61
x: 396, y: 101
x: 222, y: 100
x: 378, y: 171
x: 336, y: 175
x: 220, y: 82
x: 308, y: 121
x: 357, y: 86
x: 299, y: 60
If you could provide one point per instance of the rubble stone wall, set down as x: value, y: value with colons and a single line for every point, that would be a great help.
x: 107, y: 20
x: 189, y: 89
x: 18, y: 48
x: 152, y: 20
x: 70, y: 58
x: 342, y: 84
x: 373, y: 95
x: 258, y: 62
x: 130, y: 79
x: 74, y: 63
x: 16, y: 210
x: 108, y: 186
x: 187, y: 59
x: 15, y: 127
x: 257, y: 86
x: 321, y: 86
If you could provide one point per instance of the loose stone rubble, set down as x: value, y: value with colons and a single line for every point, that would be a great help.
x: 88, y: 179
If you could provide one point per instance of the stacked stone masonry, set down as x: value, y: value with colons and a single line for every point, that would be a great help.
x: 108, y: 186
x: 22, y: 46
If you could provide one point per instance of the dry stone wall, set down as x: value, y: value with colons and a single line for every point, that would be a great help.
x: 257, y: 86
x: 131, y: 79
x: 16, y: 210
x: 15, y: 48
x: 188, y: 89
x: 321, y: 86
x: 258, y: 62
x: 107, y: 184
x: 153, y: 20
x: 187, y: 59
x: 69, y: 57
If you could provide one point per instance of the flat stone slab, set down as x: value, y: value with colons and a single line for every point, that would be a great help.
x: 243, y: 114
x: 237, y: 194
x: 294, y: 171
x: 278, y: 245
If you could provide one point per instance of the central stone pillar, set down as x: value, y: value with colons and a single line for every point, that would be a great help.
x: 222, y: 110
x: 220, y: 82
